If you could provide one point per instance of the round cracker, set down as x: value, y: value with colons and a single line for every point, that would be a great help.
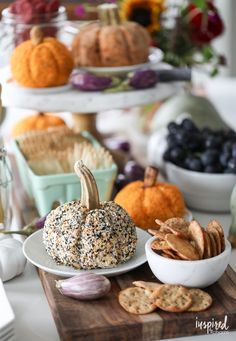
x: 178, y: 232
x: 201, y: 300
x: 163, y: 254
x: 218, y: 227
x: 182, y: 247
x: 152, y: 286
x: 196, y: 233
x: 159, y: 245
x: 207, y: 245
x: 174, y: 225
x: 170, y: 256
x: 137, y: 300
x: 171, y: 253
x: 173, y: 298
x: 180, y: 223
x: 159, y: 223
x: 217, y: 238
x: 213, y: 244
x: 159, y: 234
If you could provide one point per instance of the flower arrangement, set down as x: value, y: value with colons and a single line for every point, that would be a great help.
x: 189, y: 41
x: 147, y: 13
x: 185, y: 37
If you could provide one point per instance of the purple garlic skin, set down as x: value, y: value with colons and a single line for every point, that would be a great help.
x: 86, y: 286
x: 143, y: 79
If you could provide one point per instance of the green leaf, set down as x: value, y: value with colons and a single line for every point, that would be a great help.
x: 121, y: 86
x: 214, y: 71
x: 202, y: 4
x: 208, y: 53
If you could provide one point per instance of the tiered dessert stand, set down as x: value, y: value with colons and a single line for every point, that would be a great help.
x: 83, y: 105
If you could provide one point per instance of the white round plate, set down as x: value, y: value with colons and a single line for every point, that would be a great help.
x: 155, y: 57
x: 35, y: 252
x: 42, y: 91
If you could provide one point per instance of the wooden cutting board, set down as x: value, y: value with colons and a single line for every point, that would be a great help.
x: 105, y: 320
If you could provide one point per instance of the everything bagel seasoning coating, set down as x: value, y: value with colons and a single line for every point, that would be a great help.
x: 90, y: 239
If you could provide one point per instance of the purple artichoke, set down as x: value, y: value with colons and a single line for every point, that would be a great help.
x: 86, y: 81
x: 27, y: 230
x: 143, y: 79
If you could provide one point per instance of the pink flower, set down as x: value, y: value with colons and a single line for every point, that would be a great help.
x: 80, y: 11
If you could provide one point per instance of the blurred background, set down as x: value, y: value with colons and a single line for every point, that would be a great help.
x: 225, y: 43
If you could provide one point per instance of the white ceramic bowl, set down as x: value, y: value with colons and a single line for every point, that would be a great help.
x: 196, y: 274
x: 202, y: 191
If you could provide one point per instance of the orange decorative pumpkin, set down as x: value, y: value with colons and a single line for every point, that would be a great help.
x: 110, y: 42
x: 40, y: 121
x: 148, y: 200
x: 41, y: 62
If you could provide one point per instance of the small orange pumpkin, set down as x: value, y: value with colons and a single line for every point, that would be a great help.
x: 40, y: 121
x: 41, y: 62
x: 148, y: 200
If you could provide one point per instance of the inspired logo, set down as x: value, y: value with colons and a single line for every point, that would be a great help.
x: 213, y: 326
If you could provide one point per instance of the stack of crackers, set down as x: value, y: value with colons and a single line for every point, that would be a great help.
x: 179, y: 239
x: 146, y: 297
x: 55, y: 151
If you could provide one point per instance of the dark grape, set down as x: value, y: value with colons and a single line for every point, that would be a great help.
x: 124, y: 146
x: 120, y: 182
x: 224, y: 159
x: 133, y: 171
x: 171, y: 141
x: 210, y: 157
x: 228, y: 171
x: 227, y: 147
x: 195, y: 142
x: 231, y: 135
x: 232, y: 165
x: 195, y: 164
x: 177, y: 155
x: 206, y: 131
x: 182, y: 137
x: 118, y: 144
x: 189, y: 125
x: 201, y: 150
x: 213, y: 141
x: 213, y: 169
x: 234, y: 150
x: 166, y: 155
x: 172, y: 127
x: 188, y: 160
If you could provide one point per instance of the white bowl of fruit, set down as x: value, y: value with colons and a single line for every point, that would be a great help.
x: 202, y: 163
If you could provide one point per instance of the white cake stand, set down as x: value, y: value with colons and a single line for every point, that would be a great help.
x: 83, y: 105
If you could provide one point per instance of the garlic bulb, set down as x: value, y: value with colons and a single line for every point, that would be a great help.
x: 12, y: 260
x: 86, y: 286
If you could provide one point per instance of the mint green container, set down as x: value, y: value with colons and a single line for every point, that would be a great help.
x: 50, y: 190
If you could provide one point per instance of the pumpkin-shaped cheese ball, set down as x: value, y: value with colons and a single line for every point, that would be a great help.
x: 40, y: 121
x: 111, y: 42
x: 41, y: 62
x: 148, y: 200
x: 88, y: 234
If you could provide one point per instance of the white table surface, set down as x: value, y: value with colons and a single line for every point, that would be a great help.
x: 34, y: 321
